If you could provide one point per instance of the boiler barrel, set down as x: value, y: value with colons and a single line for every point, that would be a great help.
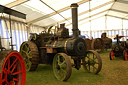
x: 73, y: 47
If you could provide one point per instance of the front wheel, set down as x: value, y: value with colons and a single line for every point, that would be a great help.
x: 62, y: 66
x: 92, y: 62
x: 111, y: 55
x: 125, y: 55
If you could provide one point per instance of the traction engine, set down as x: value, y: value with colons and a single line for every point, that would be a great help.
x: 58, y: 49
x: 107, y: 41
x: 99, y: 44
x: 12, y: 66
x: 120, y: 48
x: 96, y: 44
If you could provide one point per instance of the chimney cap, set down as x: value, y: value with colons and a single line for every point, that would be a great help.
x: 74, y: 5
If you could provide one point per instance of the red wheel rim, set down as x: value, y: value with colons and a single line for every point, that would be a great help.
x: 0, y: 81
x: 112, y: 55
x: 125, y: 55
x: 13, y: 70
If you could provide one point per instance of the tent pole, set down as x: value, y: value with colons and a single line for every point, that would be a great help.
x: 10, y: 32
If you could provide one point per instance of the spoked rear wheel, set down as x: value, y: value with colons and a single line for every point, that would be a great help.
x: 97, y: 45
x: 30, y: 53
x: 12, y: 68
x: 62, y: 66
x: 125, y: 55
x: 111, y: 55
x: 92, y: 62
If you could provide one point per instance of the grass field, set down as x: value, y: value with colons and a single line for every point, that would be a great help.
x: 112, y: 73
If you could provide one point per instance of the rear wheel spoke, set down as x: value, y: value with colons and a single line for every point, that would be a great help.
x: 89, y: 67
x: 14, y: 67
x: 95, y: 68
x: 62, y: 63
x: 58, y: 59
x: 15, y: 79
x: 8, y: 62
x: 18, y: 72
x: 3, y: 80
x: 96, y: 63
x: 13, y: 63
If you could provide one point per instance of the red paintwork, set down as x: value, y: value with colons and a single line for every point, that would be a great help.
x: 13, y: 69
x: 125, y: 55
x: 112, y: 55
x: 120, y: 37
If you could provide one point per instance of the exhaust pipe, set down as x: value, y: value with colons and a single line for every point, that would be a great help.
x: 75, y: 29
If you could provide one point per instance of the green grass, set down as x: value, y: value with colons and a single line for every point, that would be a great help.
x: 112, y: 73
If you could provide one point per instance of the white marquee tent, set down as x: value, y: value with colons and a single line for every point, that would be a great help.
x: 93, y: 16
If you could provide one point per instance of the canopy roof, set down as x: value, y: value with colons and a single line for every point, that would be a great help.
x: 51, y: 12
x: 119, y: 9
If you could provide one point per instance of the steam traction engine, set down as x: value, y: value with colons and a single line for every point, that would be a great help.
x: 98, y: 44
x: 55, y: 49
x: 12, y: 66
x: 107, y: 41
x: 120, y: 48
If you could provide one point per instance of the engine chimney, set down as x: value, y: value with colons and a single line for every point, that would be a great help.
x: 75, y: 29
x: 117, y: 37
